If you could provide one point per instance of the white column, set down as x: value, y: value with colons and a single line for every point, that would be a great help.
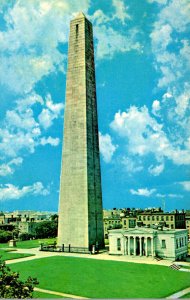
x: 134, y: 246
x: 147, y: 246
x: 129, y: 245
x: 140, y: 241
x: 152, y: 246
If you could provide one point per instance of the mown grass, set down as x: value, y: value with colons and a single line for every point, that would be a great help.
x: 103, y: 279
x: 29, y: 244
x: 186, y: 296
x: 7, y: 255
x: 45, y: 295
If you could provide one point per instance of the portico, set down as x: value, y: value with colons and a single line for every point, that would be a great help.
x: 138, y: 245
x: 149, y: 242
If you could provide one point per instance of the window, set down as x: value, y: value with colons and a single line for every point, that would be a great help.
x: 144, y: 218
x: 157, y: 218
x: 171, y: 218
x: 125, y: 222
x: 166, y: 218
x: 139, y: 218
x: 152, y: 218
x: 172, y: 226
x: 162, y: 218
x: 148, y: 218
x: 132, y: 223
x: 77, y: 30
x: 118, y: 244
x: 163, y: 243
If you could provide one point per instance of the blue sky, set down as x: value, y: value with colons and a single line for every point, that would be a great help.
x: 142, y: 55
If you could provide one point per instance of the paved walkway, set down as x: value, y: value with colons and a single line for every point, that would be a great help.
x: 59, y: 294
x: 179, y: 294
x: 101, y: 256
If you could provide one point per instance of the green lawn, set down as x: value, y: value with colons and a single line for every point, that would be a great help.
x: 30, y: 243
x: 186, y: 296
x: 104, y: 279
x: 45, y: 295
x: 6, y: 255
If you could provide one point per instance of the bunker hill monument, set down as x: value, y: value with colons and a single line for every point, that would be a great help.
x: 80, y: 203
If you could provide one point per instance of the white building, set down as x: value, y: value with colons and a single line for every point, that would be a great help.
x: 140, y: 241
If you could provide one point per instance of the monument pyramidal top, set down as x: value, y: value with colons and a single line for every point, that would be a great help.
x: 80, y: 15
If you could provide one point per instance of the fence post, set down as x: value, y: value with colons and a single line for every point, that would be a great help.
x: 69, y: 247
x: 63, y: 248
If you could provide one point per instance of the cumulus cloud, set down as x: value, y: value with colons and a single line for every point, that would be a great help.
x: 144, y: 135
x: 29, y: 47
x: 51, y: 141
x: 107, y: 148
x: 10, y: 191
x: 110, y: 41
x: 170, y: 31
x: 9, y: 168
x: 35, y: 29
x: 131, y: 165
x: 156, y: 107
x: 22, y: 132
x: 121, y: 11
x: 156, y: 170
x: 143, y: 192
x: 186, y: 185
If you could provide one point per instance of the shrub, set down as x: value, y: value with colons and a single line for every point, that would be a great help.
x: 12, y: 287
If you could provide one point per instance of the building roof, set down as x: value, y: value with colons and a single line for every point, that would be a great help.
x: 144, y: 230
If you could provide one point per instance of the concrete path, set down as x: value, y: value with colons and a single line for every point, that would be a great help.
x: 179, y: 294
x: 101, y: 256
x: 59, y: 294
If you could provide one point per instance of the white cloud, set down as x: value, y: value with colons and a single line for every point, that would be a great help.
x: 144, y: 135
x: 156, y: 170
x: 51, y: 141
x: 107, y: 148
x: 51, y: 112
x: 143, y: 192
x: 5, y: 170
x: 110, y: 41
x: 22, y: 132
x: 156, y: 107
x: 158, y: 1
x: 121, y: 10
x: 10, y: 191
x: 29, y: 48
x: 171, y: 50
x: 8, y: 168
x: 131, y: 165
x: 158, y: 195
x: 175, y: 196
x: 186, y: 185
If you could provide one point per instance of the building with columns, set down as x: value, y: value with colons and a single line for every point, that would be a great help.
x: 164, y: 243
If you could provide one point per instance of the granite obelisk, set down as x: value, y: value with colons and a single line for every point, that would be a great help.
x: 80, y: 203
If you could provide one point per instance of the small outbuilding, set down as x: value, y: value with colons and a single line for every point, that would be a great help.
x: 141, y: 241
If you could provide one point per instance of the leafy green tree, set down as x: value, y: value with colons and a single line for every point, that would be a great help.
x: 25, y: 236
x: 5, y: 236
x: 12, y: 287
x: 46, y: 229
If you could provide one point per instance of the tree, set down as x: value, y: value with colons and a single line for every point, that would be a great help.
x: 12, y: 287
x: 5, y: 236
x: 46, y: 229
